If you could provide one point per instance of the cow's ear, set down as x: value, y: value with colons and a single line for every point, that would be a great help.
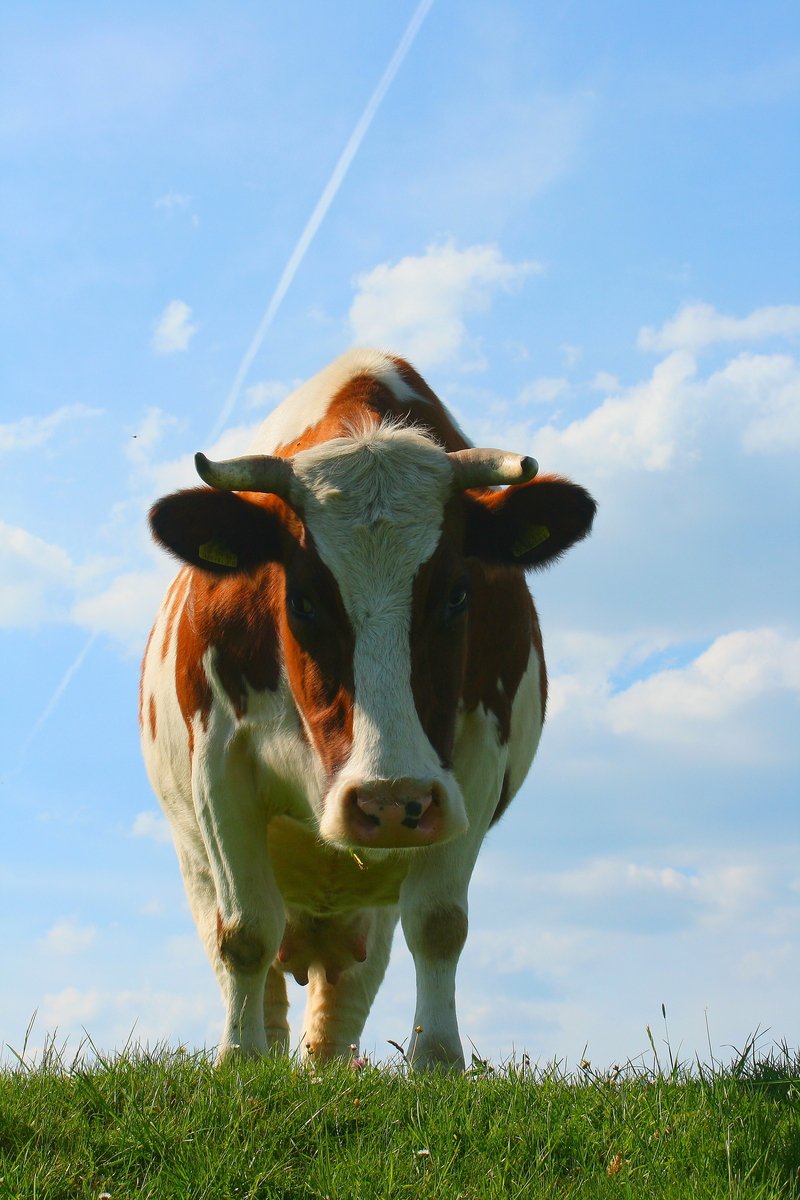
x: 528, y: 525
x: 217, y: 531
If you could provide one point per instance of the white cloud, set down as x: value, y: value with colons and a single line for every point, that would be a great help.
x: 678, y: 416
x: 70, y: 1007
x: 124, y: 610
x: 143, y: 1016
x: 418, y: 305
x: 716, y: 889
x: 68, y: 937
x: 173, y: 329
x: 767, y: 386
x: 698, y: 325
x: 36, y: 577
x: 545, y: 390
x: 30, y: 432
x: 644, y: 428
x: 604, y: 381
x: 736, y: 671
x: 151, y: 825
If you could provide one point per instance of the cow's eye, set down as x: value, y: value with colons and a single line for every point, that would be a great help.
x: 457, y: 600
x: 301, y: 607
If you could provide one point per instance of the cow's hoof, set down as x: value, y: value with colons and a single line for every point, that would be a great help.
x: 437, y: 1056
x: 233, y: 1053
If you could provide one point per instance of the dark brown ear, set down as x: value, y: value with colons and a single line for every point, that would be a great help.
x: 217, y: 531
x: 528, y: 525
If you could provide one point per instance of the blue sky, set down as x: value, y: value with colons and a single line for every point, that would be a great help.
x: 580, y: 221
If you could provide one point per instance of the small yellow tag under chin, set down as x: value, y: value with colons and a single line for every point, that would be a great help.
x: 215, y: 552
x: 529, y: 538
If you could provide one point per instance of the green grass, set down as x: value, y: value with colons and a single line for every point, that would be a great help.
x: 166, y: 1125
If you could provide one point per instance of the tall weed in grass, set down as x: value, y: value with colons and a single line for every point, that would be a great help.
x: 166, y: 1124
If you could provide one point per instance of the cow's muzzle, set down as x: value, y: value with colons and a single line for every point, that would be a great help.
x: 395, y: 813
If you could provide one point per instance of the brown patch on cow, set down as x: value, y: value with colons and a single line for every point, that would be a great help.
x: 475, y: 658
x: 234, y: 616
x: 152, y: 715
x: 235, y: 626
x: 444, y: 932
x: 501, y: 624
x: 191, y: 684
x: 318, y: 654
x: 172, y: 601
x: 241, y: 948
x: 364, y: 397
x: 438, y: 645
x: 141, y: 677
x: 432, y: 416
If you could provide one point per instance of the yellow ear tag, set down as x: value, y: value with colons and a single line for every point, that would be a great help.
x: 215, y: 552
x: 529, y: 539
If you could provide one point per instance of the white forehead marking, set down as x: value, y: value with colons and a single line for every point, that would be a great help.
x: 373, y: 504
x: 308, y: 405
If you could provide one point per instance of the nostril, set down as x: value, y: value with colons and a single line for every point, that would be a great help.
x: 371, y: 806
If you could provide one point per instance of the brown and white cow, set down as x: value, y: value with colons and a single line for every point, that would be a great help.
x: 343, y: 690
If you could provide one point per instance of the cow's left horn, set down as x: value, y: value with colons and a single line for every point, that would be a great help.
x: 474, y: 468
x: 255, y: 473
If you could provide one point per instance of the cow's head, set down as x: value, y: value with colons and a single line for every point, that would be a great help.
x: 378, y: 536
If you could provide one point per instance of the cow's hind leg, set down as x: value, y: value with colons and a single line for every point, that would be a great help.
x: 276, y: 1009
x: 336, y: 1011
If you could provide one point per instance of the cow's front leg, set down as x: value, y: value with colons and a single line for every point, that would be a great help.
x: 433, y: 910
x: 250, y: 912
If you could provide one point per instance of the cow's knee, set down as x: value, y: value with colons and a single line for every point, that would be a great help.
x: 437, y: 933
x: 241, y: 947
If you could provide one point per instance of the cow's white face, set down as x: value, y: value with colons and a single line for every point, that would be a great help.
x: 373, y: 508
x: 358, y: 582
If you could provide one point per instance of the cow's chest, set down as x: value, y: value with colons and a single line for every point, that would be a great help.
x: 324, y: 880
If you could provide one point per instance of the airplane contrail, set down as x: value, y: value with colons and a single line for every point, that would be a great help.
x: 290, y: 270
x: 48, y: 709
x: 320, y: 212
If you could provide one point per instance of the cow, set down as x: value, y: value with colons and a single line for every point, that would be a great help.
x: 343, y: 690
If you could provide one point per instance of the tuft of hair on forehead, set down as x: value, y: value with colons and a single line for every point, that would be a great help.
x: 378, y: 471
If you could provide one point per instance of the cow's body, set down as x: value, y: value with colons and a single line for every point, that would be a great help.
x: 333, y: 719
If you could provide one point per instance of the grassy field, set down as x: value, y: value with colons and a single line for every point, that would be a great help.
x: 167, y: 1125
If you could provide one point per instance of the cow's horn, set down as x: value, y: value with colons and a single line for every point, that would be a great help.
x: 255, y: 473
x: 474, y: 468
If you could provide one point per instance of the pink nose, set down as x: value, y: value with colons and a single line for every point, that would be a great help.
x: 397, y: 812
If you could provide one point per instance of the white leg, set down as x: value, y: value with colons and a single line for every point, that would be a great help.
x: 433, y: 908
x: 433, y: 900
x: 250, y: 913
x: 276, y: 1009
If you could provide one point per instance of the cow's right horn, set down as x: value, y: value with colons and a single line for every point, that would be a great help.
x: 475, y: 468
x: 253, y: 473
